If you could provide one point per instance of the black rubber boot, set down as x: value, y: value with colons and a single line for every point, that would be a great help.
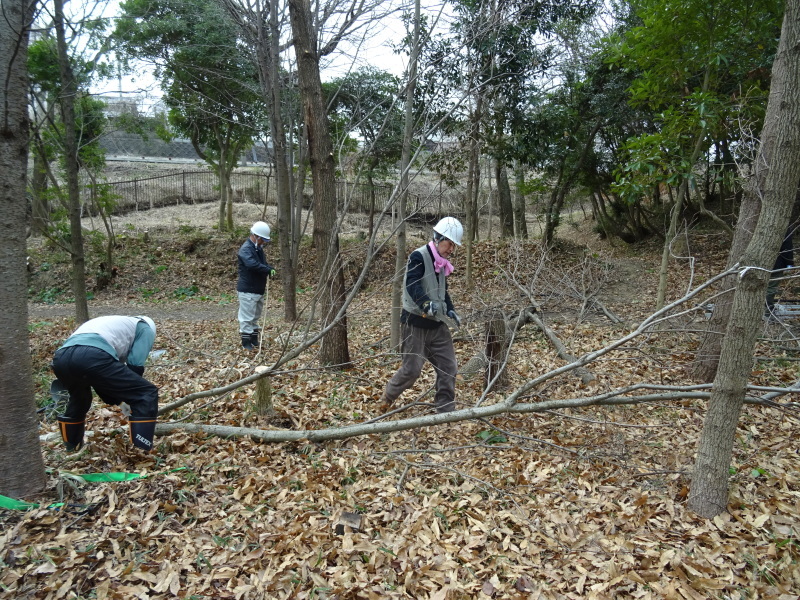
x: 142, y: 431
x: 247, y: 341
x: 71, y: 432
x: 254, y: 339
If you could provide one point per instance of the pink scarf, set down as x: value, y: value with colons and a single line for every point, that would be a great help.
x: 439, y: 262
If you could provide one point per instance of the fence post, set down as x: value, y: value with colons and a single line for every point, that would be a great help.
x: 183, y: 181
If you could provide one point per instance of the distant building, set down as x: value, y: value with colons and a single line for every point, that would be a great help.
x: 121, y: 104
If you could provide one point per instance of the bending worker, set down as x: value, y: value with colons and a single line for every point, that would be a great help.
x: 108, y: 354
x: 425, y: 336
x: 252, y: 283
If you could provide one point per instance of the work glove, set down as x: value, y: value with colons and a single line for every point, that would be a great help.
x: 429, y: 309
x: 272, y: 273
x: 139, y: 370
x: 454, y: 315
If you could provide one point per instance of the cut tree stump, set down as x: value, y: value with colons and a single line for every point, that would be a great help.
x: 501, y: 328
x: 263, y: 396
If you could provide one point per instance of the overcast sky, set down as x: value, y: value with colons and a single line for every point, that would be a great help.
x: 351, y: 55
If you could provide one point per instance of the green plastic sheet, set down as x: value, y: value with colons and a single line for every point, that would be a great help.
x: 12, y: 504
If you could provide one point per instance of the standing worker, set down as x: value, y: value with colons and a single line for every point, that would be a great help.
x: 425, y: 336
x: 108, y: 354
x: 253, y: 273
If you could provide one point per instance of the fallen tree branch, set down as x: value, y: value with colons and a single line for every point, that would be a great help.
x: 612, y: 398
x: 587, y: 377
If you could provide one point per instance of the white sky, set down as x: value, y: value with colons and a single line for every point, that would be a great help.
x: 375, y: 51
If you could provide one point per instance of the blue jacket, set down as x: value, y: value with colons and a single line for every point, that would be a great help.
x: 253, y: 269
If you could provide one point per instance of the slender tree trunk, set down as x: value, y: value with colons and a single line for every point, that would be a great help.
x: 565, y: 181
x: 261, y: 25
x: 334, y: 351
x: 371, y: 184
x: 225, y: 206
x: 471, y: 203
x: 40, y: 209
x: 69, y: 91
x: 774, y: 185
x: 21, y: 468
x: 520, y: 214
x: 677, y: 209
x: 405, y: 164
x: 505, y: 206
x: 274, y: 88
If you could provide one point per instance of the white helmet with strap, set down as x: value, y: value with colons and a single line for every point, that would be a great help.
x: 260, y: 229
x: 449, y: 228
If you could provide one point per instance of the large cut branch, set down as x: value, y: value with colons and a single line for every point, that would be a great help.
x: 660, y: 393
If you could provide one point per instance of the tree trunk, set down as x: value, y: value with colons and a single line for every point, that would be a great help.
x: 471, y: 202
x: 777, y: 171
x: 497, y: 347
x: 69, y: 90
x: 505, y: 207
x: 260, y: 24
x: 21, y: 468
x: 672, y: 232
x: 225, y: 206
x: 565, y: 181
x: 334, y: 351
x: 405, y: 165
x: 273, y: 86
x: 520, y: 214
x: 40, y: 208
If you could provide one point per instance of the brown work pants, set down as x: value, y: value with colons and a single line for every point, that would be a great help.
x: 435, y: 346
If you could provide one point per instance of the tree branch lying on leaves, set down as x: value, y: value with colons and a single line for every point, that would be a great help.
x: 615, y: 398
x: 512, y: 404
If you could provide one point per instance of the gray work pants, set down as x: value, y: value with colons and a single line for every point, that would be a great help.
x: 435, y: 346
x: 250, y: 308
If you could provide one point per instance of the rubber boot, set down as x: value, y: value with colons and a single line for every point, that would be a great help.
x: 247, y: 341
x: 71, y: 432
x: 254, y: 340
x: 142, y: 431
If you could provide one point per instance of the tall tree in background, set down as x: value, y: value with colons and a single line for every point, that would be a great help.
x: 210, y: 84
x: 66, y: 101
x: 52, y: 187
x: 262, y: 25
x: 21, y: 465
x: 335, y: 350
x: 366, y: 102
x: 405, y: 165
x: 502, y: 56
x: 773, y: 188
x: 699, y: 77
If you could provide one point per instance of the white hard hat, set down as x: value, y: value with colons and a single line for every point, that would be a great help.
x: 450, y: 228
x: 260, y: 229
x: 149, y: 321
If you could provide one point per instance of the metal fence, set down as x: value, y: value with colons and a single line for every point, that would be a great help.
x: 197, y: 187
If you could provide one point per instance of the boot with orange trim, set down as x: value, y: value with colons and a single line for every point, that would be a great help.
x: 71, y: 432
x: 142, y: 431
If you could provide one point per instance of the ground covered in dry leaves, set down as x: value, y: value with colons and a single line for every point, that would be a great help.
x: 587, y: 503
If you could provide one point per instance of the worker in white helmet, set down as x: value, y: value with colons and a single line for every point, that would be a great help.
x: 253, y: 272
x: 426, y: 302
x: 107, y: 354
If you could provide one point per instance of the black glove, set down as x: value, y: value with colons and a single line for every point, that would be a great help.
x: 429, y: 308
x: 139, y: 370
x: 454, y: 315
